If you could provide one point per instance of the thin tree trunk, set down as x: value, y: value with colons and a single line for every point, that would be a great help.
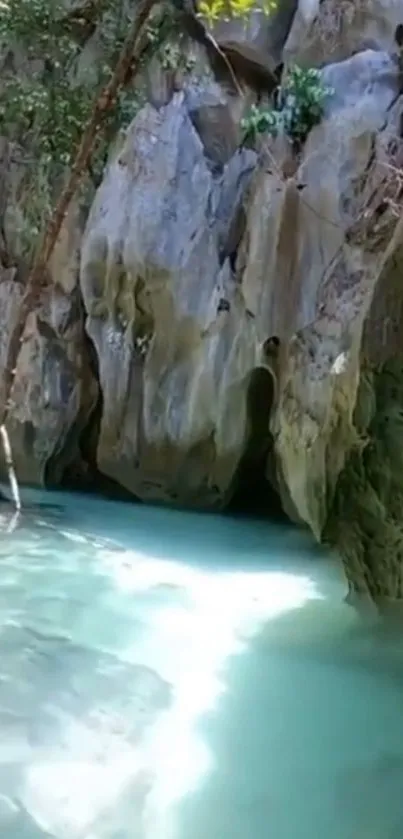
x: 8, y: 457
x: 129, y: 57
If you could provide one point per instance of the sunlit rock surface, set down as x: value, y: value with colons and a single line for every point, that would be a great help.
x: 161, y: 679
x: 185, y: 320
x: 173, y: 338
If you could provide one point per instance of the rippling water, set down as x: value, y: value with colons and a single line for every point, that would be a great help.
x: 173, y: 676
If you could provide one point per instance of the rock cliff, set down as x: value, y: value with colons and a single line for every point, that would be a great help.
x: 226, y: 310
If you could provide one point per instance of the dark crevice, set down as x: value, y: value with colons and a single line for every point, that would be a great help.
x: 253, y: 494
x: 230, y: 248
x: 82, y: 474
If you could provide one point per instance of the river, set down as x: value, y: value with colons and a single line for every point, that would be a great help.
x: 166, y: 675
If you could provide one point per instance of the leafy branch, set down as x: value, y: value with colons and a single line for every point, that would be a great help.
x: 300, y: 106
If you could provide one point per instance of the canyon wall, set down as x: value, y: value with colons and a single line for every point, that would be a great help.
x: 203, y: 260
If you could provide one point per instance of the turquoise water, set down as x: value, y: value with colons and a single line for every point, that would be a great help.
x: 172, y: 676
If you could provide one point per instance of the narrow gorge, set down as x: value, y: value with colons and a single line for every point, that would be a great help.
x: 222, y: 327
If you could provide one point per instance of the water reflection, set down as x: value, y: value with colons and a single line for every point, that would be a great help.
x: 161, y: 679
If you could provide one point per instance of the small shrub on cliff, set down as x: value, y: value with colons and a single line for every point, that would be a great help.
x: 302, y: 102
x: 260, y: 121
x: 299, y: 107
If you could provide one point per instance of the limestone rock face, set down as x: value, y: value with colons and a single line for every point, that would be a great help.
x: 333, y: 30
x: 55, y: 390
x: 223, y: 288
x: 179, y: 328
x: 328, y: 264
x: 173, y: 339
x: 365, y: 518
x: 261, y: 36
x: 181, y: 308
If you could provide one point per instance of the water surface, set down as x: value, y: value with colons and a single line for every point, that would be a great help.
x: 172, y: 676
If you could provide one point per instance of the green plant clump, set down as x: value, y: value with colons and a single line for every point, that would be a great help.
x: 300, y: 106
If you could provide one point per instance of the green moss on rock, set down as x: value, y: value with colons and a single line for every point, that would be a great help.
x: 366, y: 518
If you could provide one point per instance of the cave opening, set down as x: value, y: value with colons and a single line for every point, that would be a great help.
x: 253, y: 493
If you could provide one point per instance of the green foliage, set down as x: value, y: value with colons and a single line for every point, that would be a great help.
x: 215, y: 10
x: 173, y: 56
x: 302, y: 102
x: 300, y: 106
x: 47, y: 97
x: 45, y: 102
x: 41, y: 105
x: 260, y: 121
x: 167, y: 41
